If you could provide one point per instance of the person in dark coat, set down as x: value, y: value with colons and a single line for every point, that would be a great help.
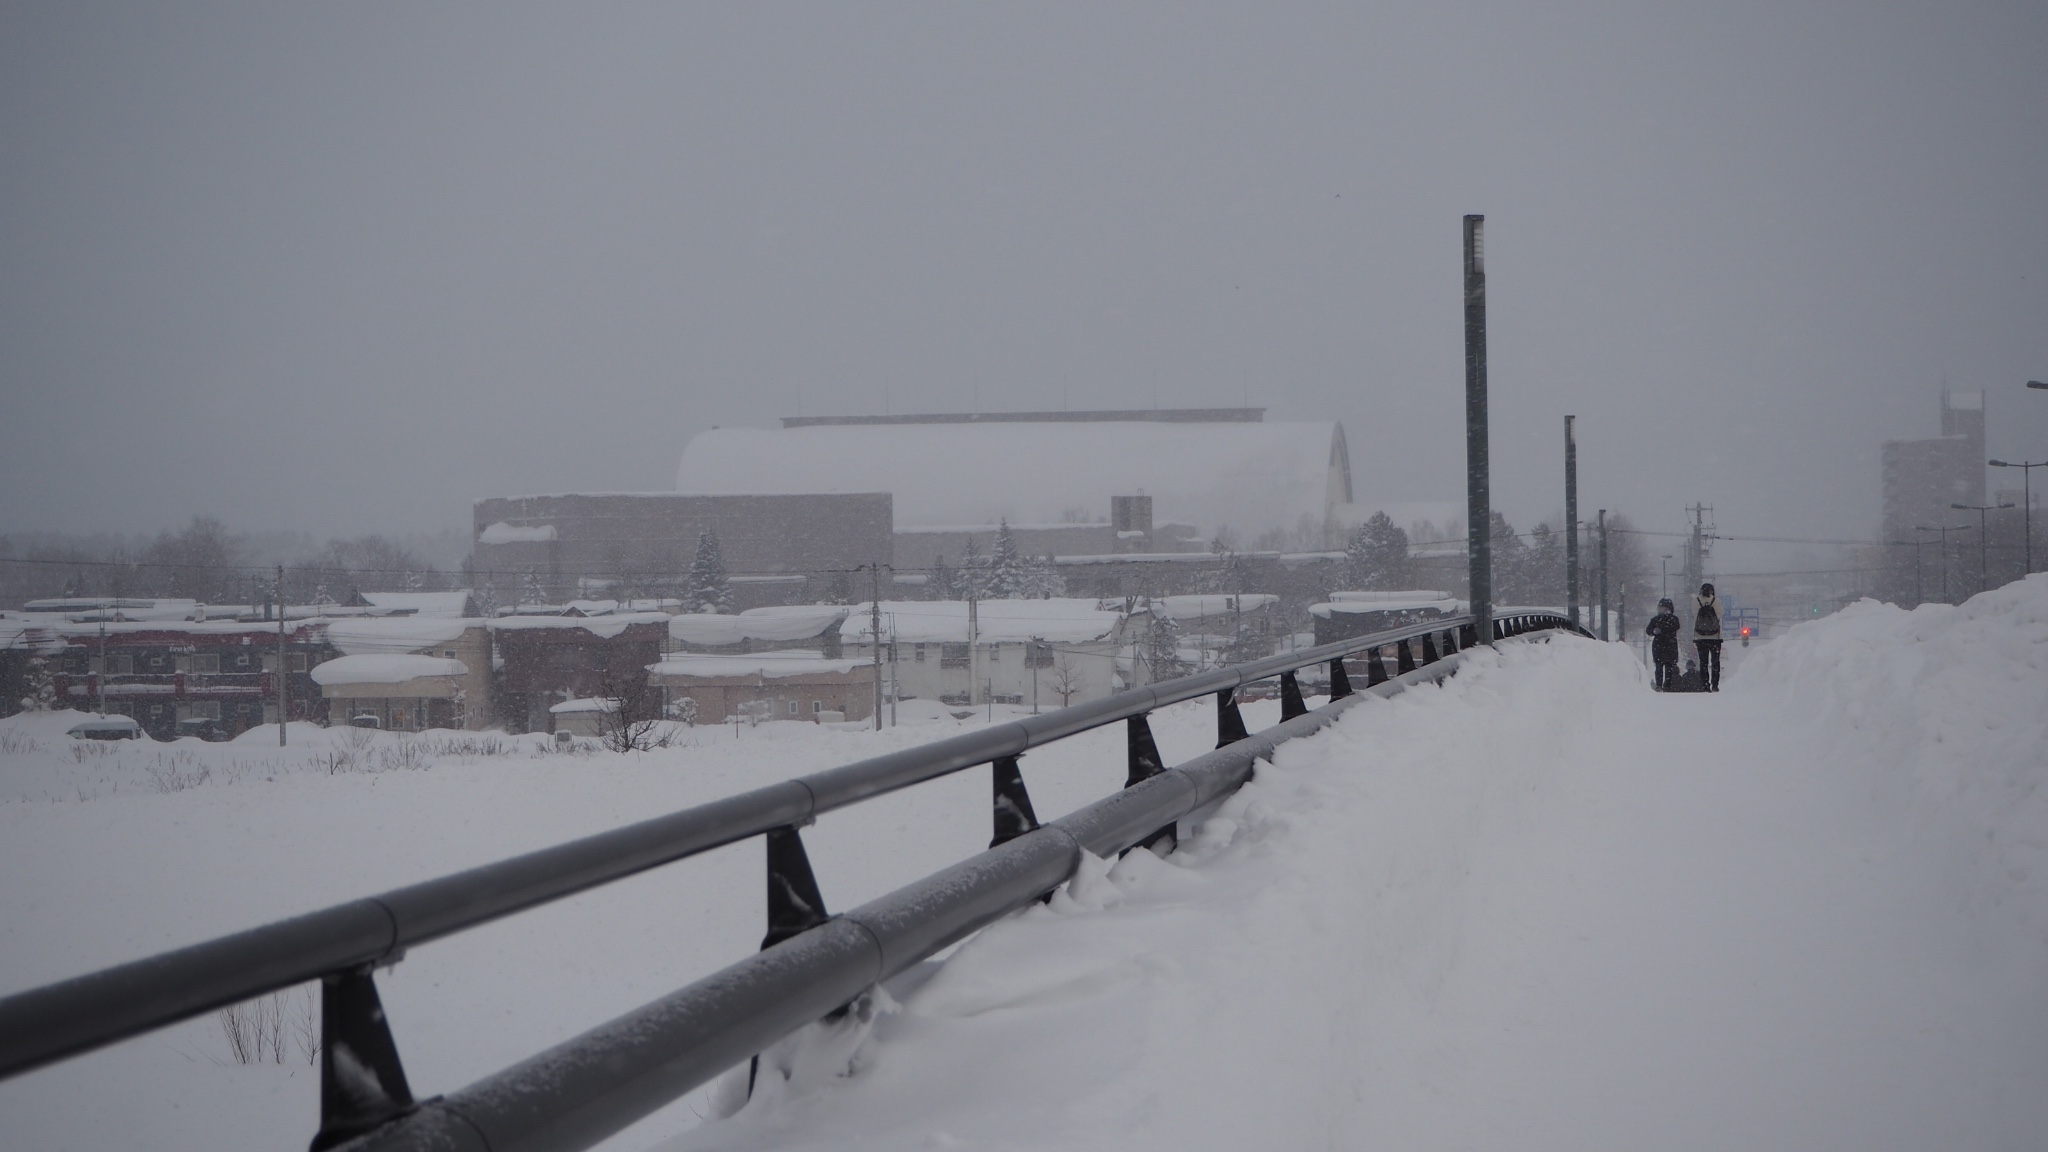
x: 1663, y: 633
x: 1706, y: 636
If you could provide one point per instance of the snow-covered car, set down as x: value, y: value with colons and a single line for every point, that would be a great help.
x: 106, y: 728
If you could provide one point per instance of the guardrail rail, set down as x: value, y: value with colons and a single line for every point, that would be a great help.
x: 810, y: 964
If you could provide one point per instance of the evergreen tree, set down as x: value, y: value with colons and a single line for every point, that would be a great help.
x: 486, y: 600
x: 1377, y: 555
x: 708, y: 591
x: 1009, y: 577
x: 1042, y: 579
x: 39, y: 685
x: 943, y: 579
x: 530, y: 591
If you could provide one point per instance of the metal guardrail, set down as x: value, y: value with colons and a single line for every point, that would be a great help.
x: 586, y: 1088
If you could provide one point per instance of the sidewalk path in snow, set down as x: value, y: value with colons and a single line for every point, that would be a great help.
x: 1539, y: 908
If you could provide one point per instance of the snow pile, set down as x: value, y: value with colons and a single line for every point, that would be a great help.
x: 395, y: 634
x: 1949, y: 702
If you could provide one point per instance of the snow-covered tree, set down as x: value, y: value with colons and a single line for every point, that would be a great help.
x: 1377, y: 555
x: 708, y: 590
x: 1008, y: 575
x: 1163, y: 647
x: 530, y: 590
x: 39, y: 687
x: 487, y: 600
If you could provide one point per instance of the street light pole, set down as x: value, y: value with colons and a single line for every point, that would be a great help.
x: 1944, y: 530
x: 1983, y: 540
x: 2026, y: 499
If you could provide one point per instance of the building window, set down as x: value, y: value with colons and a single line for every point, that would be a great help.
x: 952, y: 655
x: 201, y: 663
x: 817, y: 706
x: 200, y: 709
x: 920, y: 653
x: 298, y: 661
x: 241, y: 661
x: 156, y: 662
x: 449, y: 653
x: 792, y: 707
x: 995, y: 653
x: 1038, y: 656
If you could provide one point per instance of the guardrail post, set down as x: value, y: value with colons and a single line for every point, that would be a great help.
x: 1229, y: 721
x: 1428, y: 648
x: 1291, y: 703
x: 1340, y: 680
x: 362, y: 1084
x: 1468, y: 636
x: 1145, y: 764
x: 1375, y: 669
x: 1013, y: 814
x: 1404, y: 657
x: 794, y: 903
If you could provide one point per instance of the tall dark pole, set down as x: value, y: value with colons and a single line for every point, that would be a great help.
x: 283, y: 662
x: 1603, y: 576
x: 1478, y: 494
x: 1571, y: 519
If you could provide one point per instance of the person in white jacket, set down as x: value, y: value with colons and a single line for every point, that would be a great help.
x: 1706, y: 637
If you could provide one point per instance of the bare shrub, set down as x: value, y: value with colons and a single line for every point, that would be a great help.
x: 633, y: 723
x: 15, y: 742
x: 83, y: 750
x: 272, y: 1029
x: 406, y: 754
x: 177, y: 771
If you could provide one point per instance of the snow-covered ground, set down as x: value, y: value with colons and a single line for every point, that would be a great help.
x: 1539, y: 907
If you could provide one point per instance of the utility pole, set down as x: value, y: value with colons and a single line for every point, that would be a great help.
x: 1603, y: 575
x: 1983, y: 539
x: 1478, y: 491
x: 100, y: 681
x: 875, y: 631
x: 1696, y: 548
x: 1031, y: 652
x: 1621, y: 613
x: 1571, y: 519
x: 973, y: 642
x: 283, y: 662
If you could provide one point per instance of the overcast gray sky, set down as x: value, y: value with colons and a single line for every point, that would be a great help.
x: 343, y: 268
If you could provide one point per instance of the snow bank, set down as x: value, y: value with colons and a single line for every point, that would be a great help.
x: 1947, y: 702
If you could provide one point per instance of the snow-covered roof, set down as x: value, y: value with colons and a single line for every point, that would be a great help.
x: 1445, y: 607
x: 792, y: 622
x: 504, y: 533
x: 444, y: 604
x: 1384, y: 597
x: 586, y: 704
x: 780, y: 665
x: 1195, y: 607
x: 1250, y: 475
x: 999, y: 621
x: 395, y: 634
x: 604, y: 626
x: 385, y: 668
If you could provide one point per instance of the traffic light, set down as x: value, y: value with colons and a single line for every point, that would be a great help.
x: 1745, y: 635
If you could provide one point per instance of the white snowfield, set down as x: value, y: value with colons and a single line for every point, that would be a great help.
x: 1539, y: 907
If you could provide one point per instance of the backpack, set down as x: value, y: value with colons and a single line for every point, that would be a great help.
x: 1708, y: 621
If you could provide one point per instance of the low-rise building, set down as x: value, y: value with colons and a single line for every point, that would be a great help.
x: 398, y: 693
x: 1052, y: 652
